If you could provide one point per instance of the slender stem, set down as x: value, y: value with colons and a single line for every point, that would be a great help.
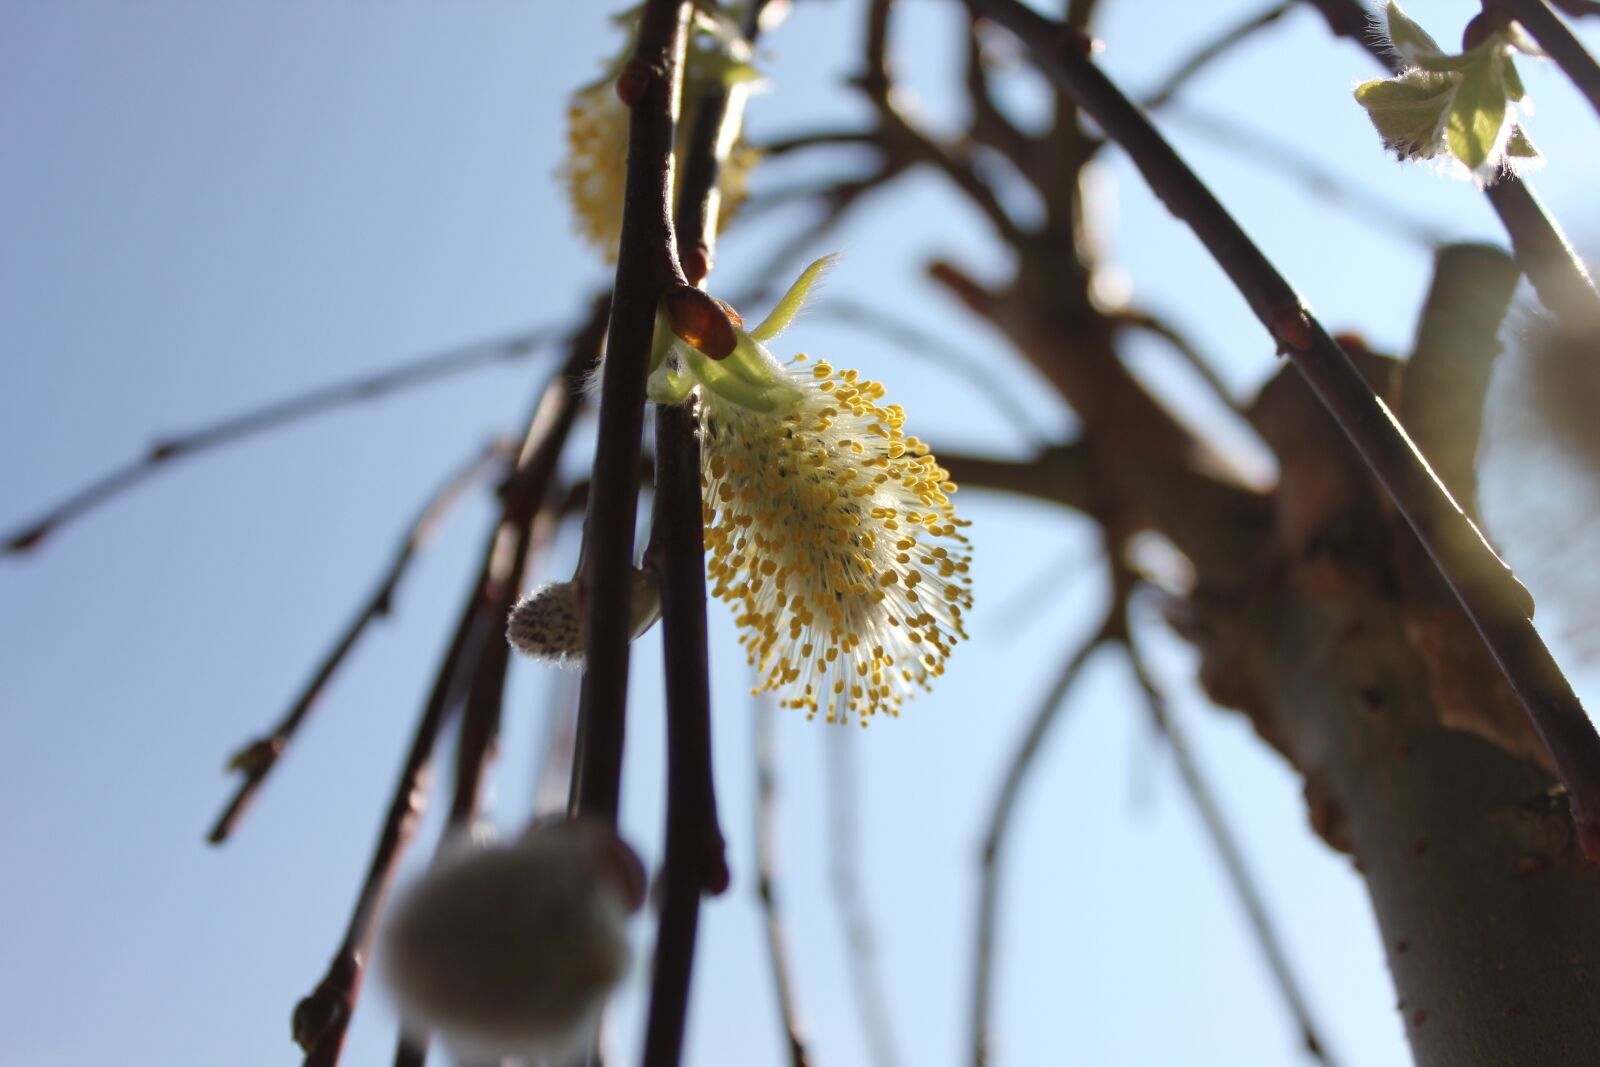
x: 646, y: 266
x: 1212, y: 50
x: 322, y: 1019
x: 1234, y: 864
x: 1000, y: 822
x: 693, y: 852
x: 1498, y: 606
x: 468, y: 673
x: 1558, y: 43
x: 271, y: 416
x: 844, y: 864
x: 1541, y: 249
x: 766, y: 802
x: 257, y: 759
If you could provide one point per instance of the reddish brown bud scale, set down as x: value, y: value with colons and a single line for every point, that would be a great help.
x: 699, y: 319
x: 632, y: 81
x: 1291, y: 328
x: 697, y: 264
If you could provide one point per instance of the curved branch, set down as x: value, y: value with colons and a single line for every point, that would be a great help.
x: 1497, y: 604
x: 1215, y: 49
x: 1558, y: 43
x: 275, y: 415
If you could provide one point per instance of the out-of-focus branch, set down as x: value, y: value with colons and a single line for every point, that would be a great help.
x: 1542, y: 250
x: 1152, y: 324
x: 1558, y: 43
x: 1000, y: 821
x: 271, y: 416
x: 937, y: 351
x: 469, y: 673
x: 1497, y: 604
x: 1458, y: 342
x: 1215, y: 49
x: 257, y: 759
x: 766, y: 800
x: 1240, y: 878
x: 647, y: 265
x: 1287, y: 159
x: 322, y: 1019
x: 844, y: 865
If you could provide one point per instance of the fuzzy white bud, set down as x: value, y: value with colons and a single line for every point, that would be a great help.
x: 512, y: 951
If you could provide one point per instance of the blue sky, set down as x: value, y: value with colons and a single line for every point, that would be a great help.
x: 208, y: 206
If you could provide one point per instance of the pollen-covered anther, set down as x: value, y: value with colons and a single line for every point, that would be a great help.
x: 850, y: 531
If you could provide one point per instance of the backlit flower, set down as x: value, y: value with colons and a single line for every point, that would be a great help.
x: 829, y: 529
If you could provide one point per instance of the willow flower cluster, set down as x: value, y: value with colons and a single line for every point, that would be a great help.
x: 595, y: 166
x: 829, y: 529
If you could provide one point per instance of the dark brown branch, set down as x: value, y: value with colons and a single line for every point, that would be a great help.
x: 1016, y: 774
x: 468, y: 673
x: 1577, y: 8
x: 693, y: 862
x: 1558, y: 43
x: 271, y: 416
x: 1235, y: 867
x: 1498, y: 606
x: 257, y: 759
x: 1215, y: 49
x: 766, y: 847
x: 1542, y: 250
x: 322, y: 1019
x: 844, y: 863
x: 819, y: 139
x: 647, y: 265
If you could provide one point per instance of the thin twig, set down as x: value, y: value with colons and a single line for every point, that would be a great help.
x: 844, y: 863
x: 271, y: 416
x: 693, y: 862
x: 1542, y: 250
x: 647, y: 264
x: 939, y: 352
x: 1016, y: 773
x: 1234, y: 865
x: 766, y: 802
x: 1216, y: 48
x: 1558, y: 43
x: 1497, y: 604
x: 322, y: 1019
x: 1159, y: 327
x: 257, y: 759
x: 1276, y: 153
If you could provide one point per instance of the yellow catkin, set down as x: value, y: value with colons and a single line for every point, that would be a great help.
x: 832, y: 535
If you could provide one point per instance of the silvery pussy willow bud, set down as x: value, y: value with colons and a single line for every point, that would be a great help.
x: 512, y: 951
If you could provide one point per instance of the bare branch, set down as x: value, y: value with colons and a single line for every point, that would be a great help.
x: 271, y: 416
x: 938, y: 352
x: 1558, y: 43
x: 1143, y: 320
x: 647, y: 265
x: 1215, y: 49
x: 844, y: 864
x: 1542, y: 250
x: 257, y: 759
x: 1234, y: 865
x: 1497, y: 604
x: 1321, y: 181
x: 1000, y: 822
x: 766, y: 800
